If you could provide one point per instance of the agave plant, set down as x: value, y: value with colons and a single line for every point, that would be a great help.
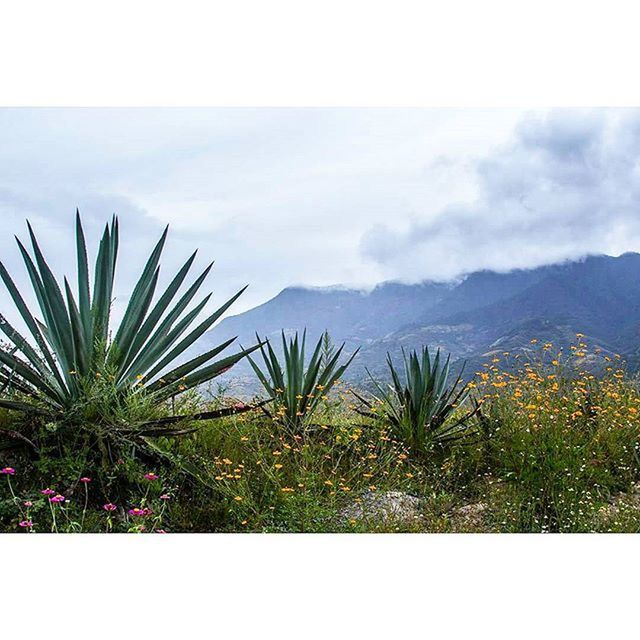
x: 297, y: 388
x: 73, y: 347
x: 424, y: 410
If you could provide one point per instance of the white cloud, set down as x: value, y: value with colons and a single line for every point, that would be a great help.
x: 274, y: 196
x: 566, y: 185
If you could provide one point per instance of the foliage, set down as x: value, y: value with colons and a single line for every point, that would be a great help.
x: 296, y: 387
x: 76, y: 510
x: 424, y: 410
x: 563, y: 443
x: 76, y: 363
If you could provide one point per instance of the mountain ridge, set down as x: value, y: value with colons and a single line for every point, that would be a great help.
x: 597, y: 295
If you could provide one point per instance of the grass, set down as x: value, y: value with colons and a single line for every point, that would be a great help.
x: 555, y: 450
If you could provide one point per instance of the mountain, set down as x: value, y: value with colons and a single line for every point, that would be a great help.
x: 483, y: 313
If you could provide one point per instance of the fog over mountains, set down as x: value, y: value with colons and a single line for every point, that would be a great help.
x: 484, y: 313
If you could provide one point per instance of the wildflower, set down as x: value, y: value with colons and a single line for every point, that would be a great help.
x: 165, y: 496
x: 238, y: 498
x: 8, y: 471
x: 278, y: 466
x: 47, y: 492
x: 26, y: 524
x: 151, y: 476
x: 57, y: 498
x: 287, y: 490
x: 85, y: 480
x: 160, y: 531
x: 137, y: 512
x: 109, y: 506
x: 239, y: 405
x: 28, y: 503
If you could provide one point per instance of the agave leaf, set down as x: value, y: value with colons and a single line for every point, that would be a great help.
x: 186, y: 342
x: 31, y: 375
x: 54, y: 300
x: 158, y: 310
x: 103, y: 283
x: 84, y: 294
x: 166, y: 334
x: 202, y: 375
x: 31, y: 323
x: 80, y: 352
x: 140, y: 299
x: 189, y: 367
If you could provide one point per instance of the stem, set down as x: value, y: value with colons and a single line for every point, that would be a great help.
x: 15, y: 497
x: 86, y: 502
x: 54, y: 526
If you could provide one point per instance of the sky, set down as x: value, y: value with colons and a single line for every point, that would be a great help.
x: 317, y: 197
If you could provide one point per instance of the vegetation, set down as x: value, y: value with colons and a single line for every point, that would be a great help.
x: 89, y: 426
x: 424, y: 410
x: 296, y: 387
x: 78, y: 386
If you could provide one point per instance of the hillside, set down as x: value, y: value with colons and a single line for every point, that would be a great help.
x: 484, y: 312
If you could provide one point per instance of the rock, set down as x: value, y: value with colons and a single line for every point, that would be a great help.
x: 470, y: 515
x: 627, y: 501
x: 390, y: 505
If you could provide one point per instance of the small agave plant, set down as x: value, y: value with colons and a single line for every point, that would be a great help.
x: 73, y: 348
x: 424, y: 409
x: 296, y: 388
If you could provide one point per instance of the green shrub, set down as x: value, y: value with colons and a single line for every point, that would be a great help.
x: 84, y: 388
x: 424, y: 410
x: 296, y: 387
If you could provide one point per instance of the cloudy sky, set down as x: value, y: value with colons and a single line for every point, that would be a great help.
x: 324, y: 196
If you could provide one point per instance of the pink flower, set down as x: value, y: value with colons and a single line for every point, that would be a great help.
x: 151, y: 476
x: 160, y: 531
x: 57, y: 498
x: 85, y: 480
x: 28, y: 503
x: 8, y: 471
x: 109, y: 506
x: 47, y: 492
x: 26, y: 523
x: 239, y: 405
x: 136, y: 512
x: 165, y: 496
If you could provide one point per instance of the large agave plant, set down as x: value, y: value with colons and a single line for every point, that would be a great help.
x: 424, y: 409
x: 72, y: 340
x: 297, y: 387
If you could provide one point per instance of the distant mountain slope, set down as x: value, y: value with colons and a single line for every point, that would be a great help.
x: 486, y: 311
